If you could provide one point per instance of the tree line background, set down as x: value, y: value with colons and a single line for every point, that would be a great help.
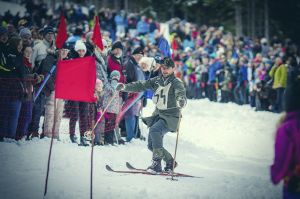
x: 253, y: 18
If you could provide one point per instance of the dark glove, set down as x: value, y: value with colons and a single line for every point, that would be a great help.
x: 38, y: 78
x: 120, y: 87
x: 181, y: 102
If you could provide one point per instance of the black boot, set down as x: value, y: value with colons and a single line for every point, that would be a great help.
x: 73, y: 138
x: 98, y: 143
x: 83, y: 141
x: 109, y: 138
x: 35, y: 134
x: 42, y: 135
x: 169, y: 166
x: 121, y: 141
x: 155, y: 167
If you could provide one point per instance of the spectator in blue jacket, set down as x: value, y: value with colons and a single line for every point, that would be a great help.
x: 142, y: 26
x: 240, y: 93
x: 212, y: 78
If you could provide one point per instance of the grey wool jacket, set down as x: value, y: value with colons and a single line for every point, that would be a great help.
x: 166, y: 93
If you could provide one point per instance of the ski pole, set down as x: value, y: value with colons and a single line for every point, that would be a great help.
x: 174, y: 160
x: 93, y: 141
x: 44, y: 83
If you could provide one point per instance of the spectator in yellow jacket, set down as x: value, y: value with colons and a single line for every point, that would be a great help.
x: 279, y: 75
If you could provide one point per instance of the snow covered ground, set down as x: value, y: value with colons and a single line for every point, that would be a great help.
x: 230, y: 146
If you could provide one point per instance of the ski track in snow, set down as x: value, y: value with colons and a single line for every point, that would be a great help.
x: 230, y: 146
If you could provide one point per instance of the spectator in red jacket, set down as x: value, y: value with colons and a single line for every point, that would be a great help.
x: 115, y: 61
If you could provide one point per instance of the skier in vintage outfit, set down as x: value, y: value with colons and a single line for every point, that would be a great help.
x: 169, y: 97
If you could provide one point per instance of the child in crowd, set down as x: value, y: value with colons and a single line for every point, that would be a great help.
x: 99, y: 130
x: 113, y: 108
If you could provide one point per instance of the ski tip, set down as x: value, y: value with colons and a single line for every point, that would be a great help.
x: 108, y: 168
x: 129, y: 166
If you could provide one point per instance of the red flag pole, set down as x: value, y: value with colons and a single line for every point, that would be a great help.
x: 50, y: 151
x: 60, y: 40
x: 97, y: 39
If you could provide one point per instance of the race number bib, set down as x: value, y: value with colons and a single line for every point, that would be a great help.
x: 160, y: 97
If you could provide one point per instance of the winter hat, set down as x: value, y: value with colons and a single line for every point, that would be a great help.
x: 99, y: 83
x: 79, y: 45
x: 2, y: 30
x: 115, y: 75
x: 25, y: 32
x: 22, y: 22
x: 41, y: 31
x: 158, y: 59
x: 168, y: 62
x: 105, y: 44
x: 117, y: 44
x: 66, y: 45
x: 47, y: 30
x: 149, y: 62
x: 78, y: 31
x: 138, y: 50
x: 263, y: 41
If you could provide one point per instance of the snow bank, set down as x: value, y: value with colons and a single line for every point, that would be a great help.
x: 230, y: 146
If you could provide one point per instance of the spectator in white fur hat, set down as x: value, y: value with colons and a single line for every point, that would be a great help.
x: 147, y: 63
x: 80, y: 48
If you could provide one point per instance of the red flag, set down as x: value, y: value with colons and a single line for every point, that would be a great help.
x: 97, y: 38
x: 62, y: 33
x: 75, y: 79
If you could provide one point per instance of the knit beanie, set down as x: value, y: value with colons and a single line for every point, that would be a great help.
x: 115, y: 75
x: 117, y: 44
x: 138, y: 50
x: 79, y: 45
x: 25, y: 32
x: 47, y: 30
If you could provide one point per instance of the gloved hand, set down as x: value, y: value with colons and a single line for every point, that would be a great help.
x: 42, y: 77
x: 181, y: 102
x: 38, y: 78
x: 120, y: 87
